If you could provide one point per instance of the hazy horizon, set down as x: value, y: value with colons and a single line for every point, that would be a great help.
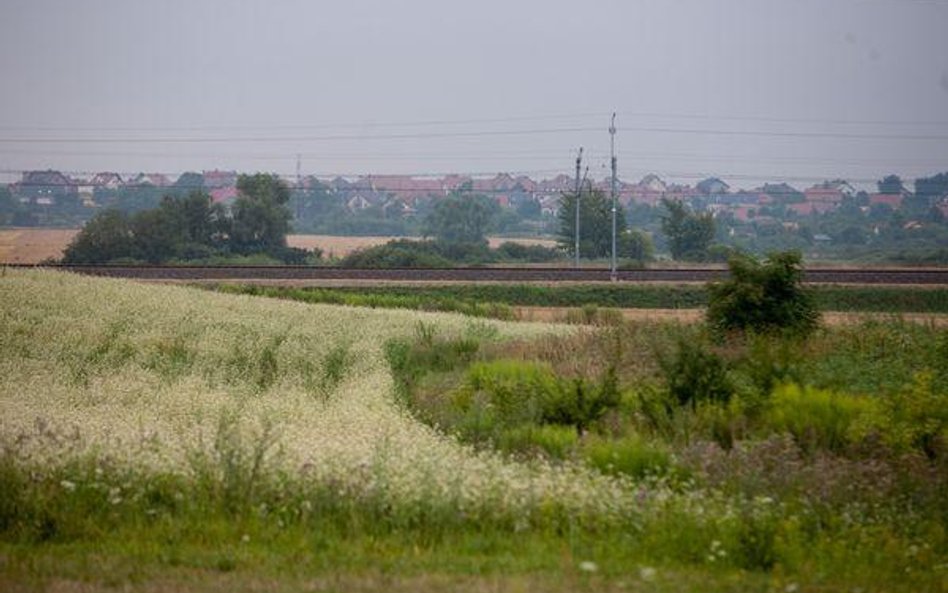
x: 747, y: 90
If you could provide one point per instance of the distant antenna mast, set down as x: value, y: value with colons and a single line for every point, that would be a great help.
x: 612, y: 137
x: 579, y: 163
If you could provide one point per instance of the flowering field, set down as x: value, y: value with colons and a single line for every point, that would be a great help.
x: 164, y: 437
x: 147, y: 376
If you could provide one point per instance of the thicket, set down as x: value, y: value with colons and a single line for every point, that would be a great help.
x: 672, y: 402
x: 407, y: 253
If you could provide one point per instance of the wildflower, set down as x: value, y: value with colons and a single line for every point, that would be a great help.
x: 67, y: 485
x: 588, y: 566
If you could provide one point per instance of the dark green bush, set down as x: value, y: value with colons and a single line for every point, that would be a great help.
x: 763, y: 297
x: 401, y: 253
x: 695, y: 374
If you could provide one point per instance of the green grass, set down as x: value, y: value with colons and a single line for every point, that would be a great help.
x: 495, y: 300
x: 92, y: 524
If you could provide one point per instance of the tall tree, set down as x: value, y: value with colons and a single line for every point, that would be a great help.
x: 459, y: 218
x: 595, y: 225
x: 688, y: 234
x: 891, y: 185
x: 261, y: 217
x: 105, y: 237
x: 933, y: 187
x: 7, y: 204
x: 190, y: 180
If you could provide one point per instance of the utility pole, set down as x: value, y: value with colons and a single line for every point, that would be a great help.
x: 579, y: 162
x: 612, y: 134
x: 299, y: 187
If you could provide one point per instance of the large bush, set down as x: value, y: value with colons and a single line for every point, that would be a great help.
x: 401, y: 253
x: 763, y: 297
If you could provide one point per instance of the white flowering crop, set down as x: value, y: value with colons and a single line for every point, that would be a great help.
x: 149, y: 374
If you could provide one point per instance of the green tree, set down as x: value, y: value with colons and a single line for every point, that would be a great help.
x: 595, y: 225
x: 462, y: 219
x: 635, y: 245
x: 155, y: 235
x: 261, y: 217
x: 107, y: 236
x: 190, y: 181
x: 7, y: 205
x: 763, y: 297
x: 933, y: 187
x: 688, y: 234
x: 890, y: 184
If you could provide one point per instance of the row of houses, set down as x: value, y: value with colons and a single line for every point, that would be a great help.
x: 402, y: 194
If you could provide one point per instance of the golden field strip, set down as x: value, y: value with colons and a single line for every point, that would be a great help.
x: 32, y: 246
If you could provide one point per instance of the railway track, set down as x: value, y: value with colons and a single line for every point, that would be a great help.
x: 909, y: 276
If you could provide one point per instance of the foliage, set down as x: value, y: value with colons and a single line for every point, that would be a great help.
x: 915, y: 418
x: 460, y: 218
x: 401, y: 253
x: 689, y: 234
x: 935, y: 186
x: 695, y: 374
x: 106, y: 237
x: 407, y: 253
x: 595, y: 227
x: 191, y: 227
x: 630, y: 455
x: 818, y: 419
x: 891, y: 184
x: 763, y: 297
x: 504, y: 402
x: 261, y: 218
x: 518, y: 252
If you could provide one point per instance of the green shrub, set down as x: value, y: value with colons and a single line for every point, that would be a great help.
x: 514, y: 392
x: 400, y: 253
x: 817, y: 418
x: 915, y: 418
x: 580, y: 402
x: 694, y: 373
x: 511, y: 251
x: 503, y: 401
x: 630, y: 455
x: 763, y: 297
x: 410, y: 360
x: 556, y: 442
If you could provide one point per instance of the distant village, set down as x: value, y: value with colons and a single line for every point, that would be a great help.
x: 402, y: 195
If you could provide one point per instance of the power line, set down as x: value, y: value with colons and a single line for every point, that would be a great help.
x: 370, y: 124
x: 471, y: 134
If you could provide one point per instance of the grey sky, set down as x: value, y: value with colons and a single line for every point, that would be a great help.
x: 791, y: 90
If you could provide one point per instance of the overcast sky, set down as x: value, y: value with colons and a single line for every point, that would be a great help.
x: 795, y: 90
